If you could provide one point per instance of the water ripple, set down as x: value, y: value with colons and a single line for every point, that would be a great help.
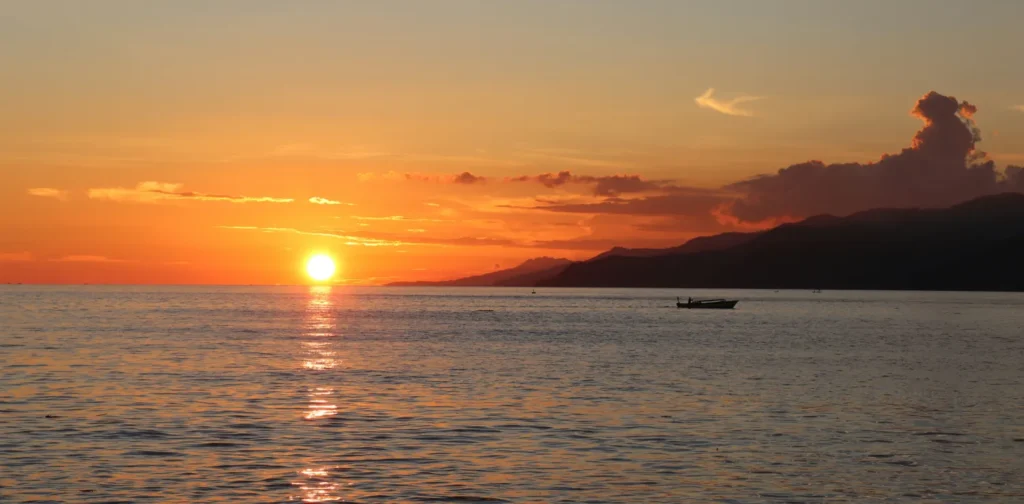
x: 478, y: 395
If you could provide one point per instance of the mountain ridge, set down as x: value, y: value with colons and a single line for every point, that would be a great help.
x: 525, y: 271
x: 969, y: 246
x: 973, y: 245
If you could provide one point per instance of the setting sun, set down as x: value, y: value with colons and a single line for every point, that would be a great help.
x: 320, y: 267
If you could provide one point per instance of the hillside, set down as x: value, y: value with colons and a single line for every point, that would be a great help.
x: 699, y: 244
x: 975, y: 245
x: 525, y: 274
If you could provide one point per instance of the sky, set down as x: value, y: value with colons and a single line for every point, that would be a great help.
x: 227, y: 142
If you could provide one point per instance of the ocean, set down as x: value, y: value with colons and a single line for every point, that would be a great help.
x: 345, y: 394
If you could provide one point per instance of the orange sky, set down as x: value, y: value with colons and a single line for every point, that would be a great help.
x: 159, y: 143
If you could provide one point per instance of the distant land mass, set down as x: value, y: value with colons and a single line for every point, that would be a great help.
x: 526, y: 274
x: 976, y: 245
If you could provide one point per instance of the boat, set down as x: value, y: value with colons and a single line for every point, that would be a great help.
x: 714, y: 304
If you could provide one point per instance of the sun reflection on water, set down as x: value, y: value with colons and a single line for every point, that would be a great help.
x: 320, y: 329
x: 319, y: 326
x: 319, y: 356
x: 319, y: 405
x: 315, y: 488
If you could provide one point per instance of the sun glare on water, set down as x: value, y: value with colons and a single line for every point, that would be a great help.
x: 320, y: 267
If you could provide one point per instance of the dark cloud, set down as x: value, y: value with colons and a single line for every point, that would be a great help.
x: 458, y: 178
x: 467, y: 178
x: 609, y: 185
x: 940, y: 168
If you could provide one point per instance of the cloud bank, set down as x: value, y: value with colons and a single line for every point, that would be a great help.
x: 730, y: 107
x: 941, y: 167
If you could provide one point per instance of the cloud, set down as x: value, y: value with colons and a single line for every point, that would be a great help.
x: 370, y: 239
x: 159, y: 192
x: 49, y: 192
x: 942, y: 167
x: 316, y: 200
x: 15, y: 256
x: 396, y: 218
x: 1018, y: 108
x: 348, y: 239
x: 610, y: 185
x: 730, y: 107
x: 457, y: 178
x: 89, y: 258
x: 468, y: 178
x: 692, y: 201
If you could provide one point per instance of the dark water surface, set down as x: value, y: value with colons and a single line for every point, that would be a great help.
x: 178, y: 394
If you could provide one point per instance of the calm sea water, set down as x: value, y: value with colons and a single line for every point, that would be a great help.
x: 178, y: 394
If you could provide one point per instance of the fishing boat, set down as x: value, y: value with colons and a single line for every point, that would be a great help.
x: 714, y: 304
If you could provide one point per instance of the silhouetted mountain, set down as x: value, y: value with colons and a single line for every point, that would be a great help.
x: 532, y: 278
x: 526, y: 274
x: 977, y: 245
x: 699, y: 244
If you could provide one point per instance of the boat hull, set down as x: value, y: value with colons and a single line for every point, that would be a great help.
x: 709, y: 305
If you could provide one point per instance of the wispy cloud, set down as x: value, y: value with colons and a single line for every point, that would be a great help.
x: 349, y: 239
x: 457, y: 178
x: 396, y: 218
x: 729, y: 107
x: 572, y: 157
x: 392, y: 240
x: 316, y: 200
x: 15, y: 256
x: 365, y: 152
x: 1018, y: 108
x: 49, y: 192
x: 89, y: 258
x: 159, y: 192
x: 609, y: 185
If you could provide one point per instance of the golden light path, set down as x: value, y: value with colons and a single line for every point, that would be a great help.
x: 320, y: 267
x: 316, y: 483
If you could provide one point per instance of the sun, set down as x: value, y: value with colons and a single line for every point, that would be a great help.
x: 320, y: 267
